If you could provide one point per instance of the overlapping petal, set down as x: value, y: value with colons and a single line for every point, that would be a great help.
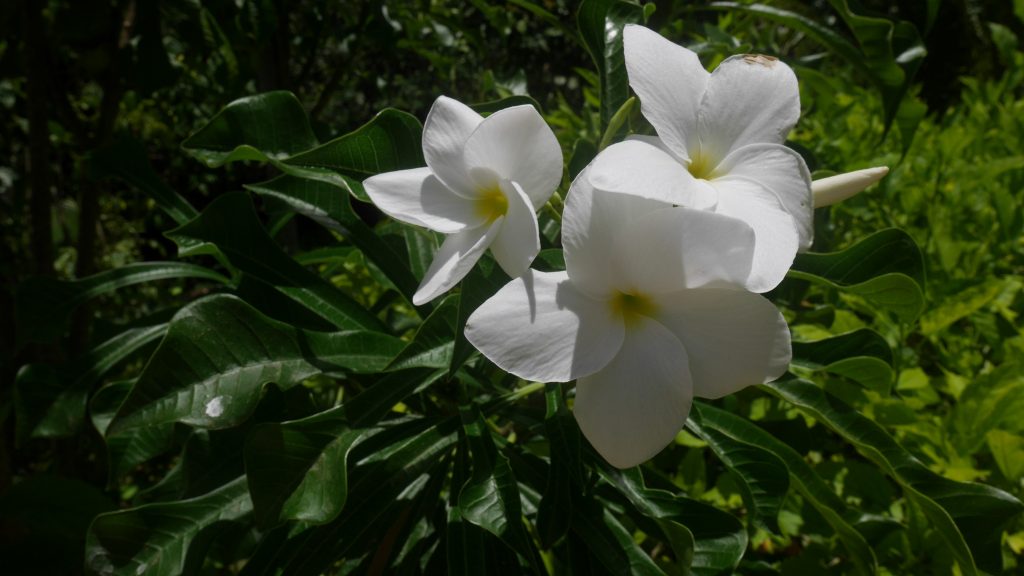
x: 418, y: 197
x: 639, y: 168
x: 455, y: 258
x: 749, y: 99
x: 541, y: 327
x: 776, y: 235
x: 516, y: 144
x: 635, y: 406
x: 670, y: 81
x: 673, y: 248
x: 590, y: 223
x: 518, y: 241
x: 782, y: 171
x: 734, y: 338
x: 448, y: 126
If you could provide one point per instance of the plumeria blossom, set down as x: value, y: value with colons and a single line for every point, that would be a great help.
x: 834, y: 189
x: 651, y: 311
x: 485, y: 178
x: 719, y: 145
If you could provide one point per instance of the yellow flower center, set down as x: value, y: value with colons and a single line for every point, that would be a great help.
x: 491, y: 203
x: 702, y: 167
x: 632, y: 306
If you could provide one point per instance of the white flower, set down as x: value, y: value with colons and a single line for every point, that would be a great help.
x: 828, y: 191
x: 719, y: 145
x: 650, y: 312
x: 485, y: 178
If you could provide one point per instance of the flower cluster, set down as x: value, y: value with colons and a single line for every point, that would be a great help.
x: 668, y: 240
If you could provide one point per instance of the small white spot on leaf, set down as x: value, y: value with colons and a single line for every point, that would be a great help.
x: 215, y: 407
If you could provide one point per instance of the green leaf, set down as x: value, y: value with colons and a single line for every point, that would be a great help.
x: 51, y: 401
x: 968, y: 517
x: 583, y: 152
x: 831, y: 507
x: 1008, y: 452
x: 297, y: 470
x: 127, y: 449
x: 993, y: 400
x: 763, y: 477
x: 44, y: 305
x: 565, y: 475
x: 125, y: 158
x: 482, y: 282
x: 718, y: 538
x: 432, y: 345
x: 609, y: 542
x: 490, y: 498
x: 488, y: 108
x: 862, y: 355
x: 230, y: 223
x: 886, y: 269
x: 962, y: 304
x: 390, y: 141
x: 218, y: 354
x: 600, y: 24
x: 377, y: 486
x: 269, y: 125
x: 330, y: 207
x: 162, y: 539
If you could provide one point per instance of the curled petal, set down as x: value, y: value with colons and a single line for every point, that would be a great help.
x: 639, y: 168
x: 417, y: 197
x: 833, y: 189
x: 734, y: 338
x: 445, y: 132
x: 670, y: 81
x: 670, y: 249
x: 750, y: 98
x: 518, y: 241
x: 454, y: 259
x: 635, y: 406
x: 776, y: 235
x: 540, y: 327
x: 590, y: 223
x: 516, y: 144
x: 782, y: 171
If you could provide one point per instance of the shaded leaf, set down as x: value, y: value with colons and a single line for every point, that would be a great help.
x: 600, y: 24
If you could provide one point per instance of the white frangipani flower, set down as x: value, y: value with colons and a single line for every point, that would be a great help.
x: 719, y: 145
x: 834, y: 189
x: 650, y: 312
x: 485, y: 178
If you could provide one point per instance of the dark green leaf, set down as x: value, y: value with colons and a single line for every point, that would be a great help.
x: 482, y: 282
x: 44, y: 305
x: 50, y: 401
x: 488, y: 108
x: 219, y: 353
x: 968, y: 517
x: 329, y: 206
x: 431, y: 346
x: 810, y: 485
x: 862, y: 355
x: 269, y: 125
x: 609, y: 542
x: 159, y: 539
x: 390, y: 141
x: 230, y: 223
x: 885, y: 269
x: 600, y: 23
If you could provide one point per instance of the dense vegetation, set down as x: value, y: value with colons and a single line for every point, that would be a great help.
x: 157, y: 234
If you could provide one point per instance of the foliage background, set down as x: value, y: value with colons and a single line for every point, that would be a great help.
x: 100, y: 95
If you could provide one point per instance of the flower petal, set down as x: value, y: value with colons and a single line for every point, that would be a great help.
x: 417, y: 197
x: 670, y: 81
x: 516, y: 144
x: 776, y: 235
x: 734, y: 338
x: 749, y: 99
x: 639, y: 168
x: 454, y: 259
x: 635, y: 406
x: 445, y: 132
x: 782, y: 171
x: 518, y: 241
x: 590, y: 223
x: 540, y: 327
x: 670, y: 249
x: 833, y: 189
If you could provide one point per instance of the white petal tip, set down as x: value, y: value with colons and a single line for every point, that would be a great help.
x: 834, y: 189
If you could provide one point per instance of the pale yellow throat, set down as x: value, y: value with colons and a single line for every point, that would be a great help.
x: 491, y: 203
x: 632, y: 307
